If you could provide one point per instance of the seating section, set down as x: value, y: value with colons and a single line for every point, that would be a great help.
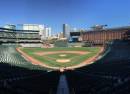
x: 7, y: 35
x: 27, y: 35
x: 31, y: 44
x: 9, y: 55
x: 18, y: 76
x: 19, y: 37
x: 109, y: 75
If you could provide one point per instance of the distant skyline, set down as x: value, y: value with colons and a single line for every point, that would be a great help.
x: 76, y: 13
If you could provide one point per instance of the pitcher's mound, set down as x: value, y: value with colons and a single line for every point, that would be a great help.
x: 63, y: 60
x: 62, y: 55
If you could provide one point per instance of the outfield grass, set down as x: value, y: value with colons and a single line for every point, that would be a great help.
x: 50, y: 59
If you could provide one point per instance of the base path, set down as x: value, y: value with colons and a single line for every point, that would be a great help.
x: 88, y: 61
x: 34, y: 61
x: 84, y: 63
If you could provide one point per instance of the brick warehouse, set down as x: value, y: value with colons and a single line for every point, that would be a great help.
x: 100, y: 37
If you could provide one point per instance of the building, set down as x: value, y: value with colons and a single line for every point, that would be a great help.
x: 60, y: 35
x: 66, y: 31
x: 105, y: 35
x: 47, y: 32
x: 10, y: 26
x: 35, y: 27
x: 44, y: 32
x: 41, y: 30
x: 19, y: 36
x: 74, y: 36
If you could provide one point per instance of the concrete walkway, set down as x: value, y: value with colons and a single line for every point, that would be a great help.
x: 63, y: 86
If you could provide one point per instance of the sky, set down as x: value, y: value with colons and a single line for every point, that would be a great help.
x: 76, y: 13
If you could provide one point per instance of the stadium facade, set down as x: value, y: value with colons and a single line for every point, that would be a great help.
x: 44, y: 31
x: 17, y: 36
x: 102, y: 36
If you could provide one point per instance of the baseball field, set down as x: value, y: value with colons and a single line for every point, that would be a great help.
x: 61, y: 57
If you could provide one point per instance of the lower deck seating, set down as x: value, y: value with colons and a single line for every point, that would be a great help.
x: 18, y: 76
x: 109, y: 75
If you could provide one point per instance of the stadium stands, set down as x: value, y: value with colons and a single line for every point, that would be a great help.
x: 109, y: 75
x: 21, y: 36
x: 18, y: 76
x: 31, y: 44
